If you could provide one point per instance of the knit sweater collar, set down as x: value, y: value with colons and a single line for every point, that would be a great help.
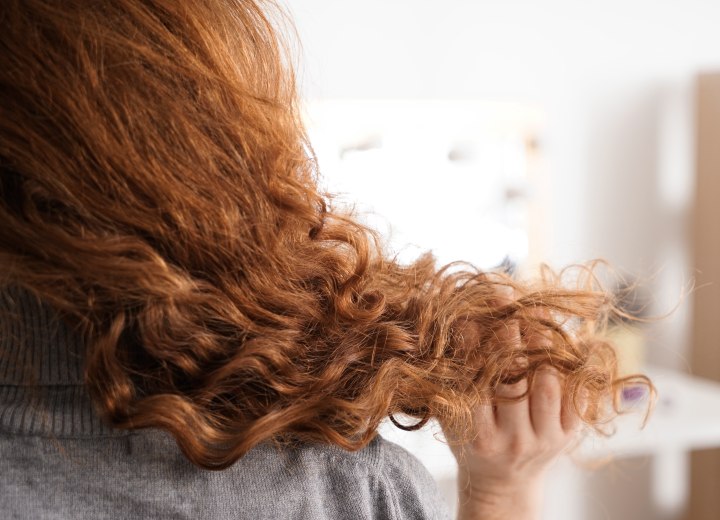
x: 41, y: 372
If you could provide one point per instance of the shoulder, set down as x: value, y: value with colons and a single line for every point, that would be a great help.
x: 415, y: 490
x: 381, y: 480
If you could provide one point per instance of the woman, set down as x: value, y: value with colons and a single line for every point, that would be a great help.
x: 174, y: 278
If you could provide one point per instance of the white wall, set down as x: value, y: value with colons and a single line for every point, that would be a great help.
x: 615, y: 80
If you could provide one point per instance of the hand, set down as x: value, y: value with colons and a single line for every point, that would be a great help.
x: 501, y: 470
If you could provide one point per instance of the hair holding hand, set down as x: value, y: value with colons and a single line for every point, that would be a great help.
x: 157, y: 190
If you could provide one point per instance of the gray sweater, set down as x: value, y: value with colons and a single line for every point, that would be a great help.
x: 59, y: 460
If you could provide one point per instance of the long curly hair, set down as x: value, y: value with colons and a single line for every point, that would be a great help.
x: 158, y: 190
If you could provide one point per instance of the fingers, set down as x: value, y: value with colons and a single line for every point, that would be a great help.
x: 484, y: 421
x: 552, y: 413
x: 546, y: 404
x: 513, y: 415
x: 571, y: 421
x: 546, y: 414
x: 537, y: 337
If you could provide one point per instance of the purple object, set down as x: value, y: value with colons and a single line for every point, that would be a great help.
x: 633, y: 393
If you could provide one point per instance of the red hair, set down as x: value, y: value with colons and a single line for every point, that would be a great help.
x: 157, y: 191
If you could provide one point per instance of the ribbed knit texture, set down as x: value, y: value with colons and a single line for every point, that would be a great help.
x: 41, y: 372
x: 58, y: 460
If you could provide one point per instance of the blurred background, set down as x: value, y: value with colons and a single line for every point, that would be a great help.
x: 514, y: 132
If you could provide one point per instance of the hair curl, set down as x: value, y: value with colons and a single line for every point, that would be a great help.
x: 156, y: 190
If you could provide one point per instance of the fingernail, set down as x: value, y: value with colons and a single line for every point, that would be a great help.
x: 631, y: 394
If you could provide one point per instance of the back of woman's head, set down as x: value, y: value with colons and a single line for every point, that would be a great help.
x: 157, y: 190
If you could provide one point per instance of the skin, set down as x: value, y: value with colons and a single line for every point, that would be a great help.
x: 502, y: 470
